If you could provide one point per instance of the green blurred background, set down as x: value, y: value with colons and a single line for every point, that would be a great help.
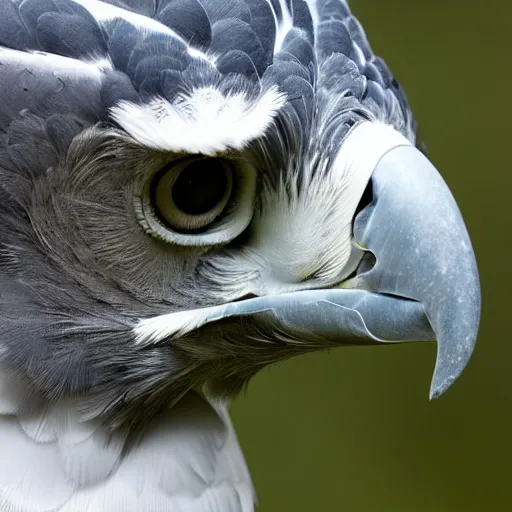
x: 353, y: 430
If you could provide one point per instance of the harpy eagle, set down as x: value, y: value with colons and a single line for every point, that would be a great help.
x: 191, y: 190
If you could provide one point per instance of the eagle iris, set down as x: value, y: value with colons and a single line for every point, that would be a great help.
x: 189, y: 194
x: 200, y: 186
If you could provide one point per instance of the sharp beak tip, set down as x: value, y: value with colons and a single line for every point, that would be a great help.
x: 455, y: 349
x: 437, y: 390
x: 414, y: 223
x: 440, y: 385
x: 441, y: 382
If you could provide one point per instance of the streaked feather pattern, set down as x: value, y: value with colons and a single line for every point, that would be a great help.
x: 305, y: 73
x: 170, y: 47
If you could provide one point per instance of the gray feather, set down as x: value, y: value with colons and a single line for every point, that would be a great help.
x: 90, y: 420
x: 189, y: 19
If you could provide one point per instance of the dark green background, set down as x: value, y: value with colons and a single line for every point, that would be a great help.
x: 353, y: 430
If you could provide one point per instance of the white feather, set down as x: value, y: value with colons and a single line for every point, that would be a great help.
x: 104, y: 12
x: 283, y: 26
x: 188, y: 460
x: 314, y: 223
x: 206, y: 121
x: 157, y: 328
x: 286, y: 24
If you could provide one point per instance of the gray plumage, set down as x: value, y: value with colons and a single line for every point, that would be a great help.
x: 91, y: 419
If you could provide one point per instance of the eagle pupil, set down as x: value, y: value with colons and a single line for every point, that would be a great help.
x: 200, y: 186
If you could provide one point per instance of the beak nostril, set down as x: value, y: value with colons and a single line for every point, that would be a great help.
x: 366, y: 264
x: 368, y: 261
x: 366, y: 198
x: 245, y: 297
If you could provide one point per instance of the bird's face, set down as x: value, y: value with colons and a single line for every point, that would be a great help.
x: 185, y: 241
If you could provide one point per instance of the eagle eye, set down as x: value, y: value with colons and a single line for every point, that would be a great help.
x: 202, y: 186
x: 198, y: 200
x: 191, y: 194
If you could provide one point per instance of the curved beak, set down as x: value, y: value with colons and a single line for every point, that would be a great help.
x: 423, y: 252
x: 423, y: 285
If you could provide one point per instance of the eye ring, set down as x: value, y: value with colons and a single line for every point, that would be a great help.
x: 226, y: 220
